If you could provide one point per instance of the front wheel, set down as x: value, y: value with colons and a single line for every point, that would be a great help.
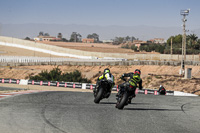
x: 99, y: 95
x: 122, y: 101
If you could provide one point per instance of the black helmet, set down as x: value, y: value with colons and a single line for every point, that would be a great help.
x: 137, y: 71
x: 106, y: 70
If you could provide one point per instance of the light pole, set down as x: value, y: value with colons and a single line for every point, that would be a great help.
x: 184, y: 13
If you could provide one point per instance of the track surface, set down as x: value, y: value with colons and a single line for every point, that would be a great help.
x: 75, y: 112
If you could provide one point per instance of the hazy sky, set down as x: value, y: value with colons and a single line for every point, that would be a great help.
x: 161, y: 13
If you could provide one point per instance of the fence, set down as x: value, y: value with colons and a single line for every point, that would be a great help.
x: 31, y: 61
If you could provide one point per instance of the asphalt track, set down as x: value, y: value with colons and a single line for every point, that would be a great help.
x: 75, y: 112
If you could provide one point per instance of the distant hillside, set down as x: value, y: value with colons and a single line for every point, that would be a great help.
x: 104, y: 32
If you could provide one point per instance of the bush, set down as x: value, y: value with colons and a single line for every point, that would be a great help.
x: 158, y: 77
x: 57, y: 75
x: 135, y: 48
x: 125, y: 46
x: 153, y: 47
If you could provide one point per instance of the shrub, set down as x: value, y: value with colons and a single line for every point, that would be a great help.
x: 125, y: 46
x: 158, y: 77
x: 57, y: 75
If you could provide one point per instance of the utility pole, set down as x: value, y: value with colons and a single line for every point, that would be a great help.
x: 184, y: 13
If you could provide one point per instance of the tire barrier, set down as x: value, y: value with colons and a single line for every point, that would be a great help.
x: 10, y: 81
x: 153, y: 92
x: 74, y: 85
x: 55, y: 83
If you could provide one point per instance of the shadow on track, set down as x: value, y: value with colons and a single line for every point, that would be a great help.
x: 146, y: 109
x: 130, y: 103
x: 107, y: 103
x: 140, y: 103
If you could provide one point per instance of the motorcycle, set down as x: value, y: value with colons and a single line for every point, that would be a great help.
x: 123, y: 95
x: 103, y: 90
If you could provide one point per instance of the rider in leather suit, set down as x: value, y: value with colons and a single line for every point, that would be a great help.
x: 133, y: 83
x: 108, y: 76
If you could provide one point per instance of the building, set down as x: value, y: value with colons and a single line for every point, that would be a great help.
x: 158, y: 40
x: 107, y: 41
x: 47, y: 38
x: 139, y: 43
x: 88, y: 40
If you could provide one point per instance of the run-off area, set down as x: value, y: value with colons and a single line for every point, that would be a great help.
x: 75, y: 112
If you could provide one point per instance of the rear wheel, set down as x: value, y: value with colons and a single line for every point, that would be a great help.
x: 122, y: 101
x: 99, y: 95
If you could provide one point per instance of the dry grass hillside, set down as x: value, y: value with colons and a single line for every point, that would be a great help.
x: 165, y: 75
x: 95, y: 47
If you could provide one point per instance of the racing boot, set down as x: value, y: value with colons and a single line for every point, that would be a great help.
x: 117, y: 95
x: 131, y: 97
x: 129, y: 100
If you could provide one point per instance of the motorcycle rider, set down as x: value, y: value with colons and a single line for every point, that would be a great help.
x: 162, y: 90
x: 107, y: 76
x: 132, y: 84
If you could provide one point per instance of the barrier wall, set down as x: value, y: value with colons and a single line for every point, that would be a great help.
x: 86, y: 86
x: 73, y: 85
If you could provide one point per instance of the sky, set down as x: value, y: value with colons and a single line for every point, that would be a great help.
x: 160, y: 13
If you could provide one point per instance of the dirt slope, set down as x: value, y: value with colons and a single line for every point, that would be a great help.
x: 166, y: 75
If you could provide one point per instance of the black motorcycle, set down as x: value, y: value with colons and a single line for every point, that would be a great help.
x: 123, y: 95
x: 103, y: 90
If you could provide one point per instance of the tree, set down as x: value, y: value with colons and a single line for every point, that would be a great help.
x: 27, y: 38
x: 89, y: 36
x: 41, y: 33
x: 198, y: 45
x: 175, y: 39
x: 94, y: 36
x: 75, y: 37
x: 133, y: 38
x: 64, y: 40
x: 118, y: 40
x: 193, y: 37
x: 153, y: 47
x: 177, y: 44
x: 135, y: 48
x: 127, y: 38
x: 192, y: 40
x: 46, y: 34
x: 192, y: 45
x: 59, y: 35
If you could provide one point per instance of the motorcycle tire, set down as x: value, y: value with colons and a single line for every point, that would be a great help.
x: 99, y: 95
x: 122, y: 102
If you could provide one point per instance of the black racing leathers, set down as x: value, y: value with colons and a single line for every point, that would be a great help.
x: 134, y: 81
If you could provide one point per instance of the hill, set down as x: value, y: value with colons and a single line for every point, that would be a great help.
x: 105, y: 32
